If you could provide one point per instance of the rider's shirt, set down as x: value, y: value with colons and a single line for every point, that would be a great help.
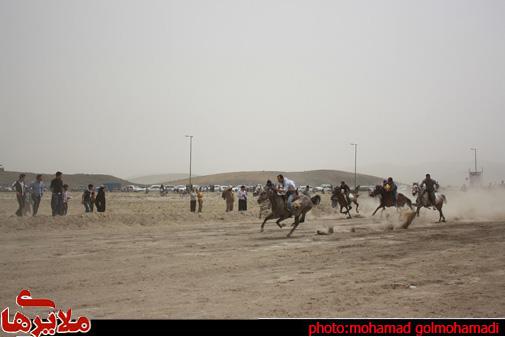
x: 430, y: 184
x: 346, y: 188
x: 289, y: 185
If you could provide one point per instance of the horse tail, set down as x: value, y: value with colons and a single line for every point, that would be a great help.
x: 316, y: 200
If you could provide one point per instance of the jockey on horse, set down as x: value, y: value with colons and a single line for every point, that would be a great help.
x: 390, y: 186
x: 288, y: 188
x: 347, y: 190
x: 431, y: 186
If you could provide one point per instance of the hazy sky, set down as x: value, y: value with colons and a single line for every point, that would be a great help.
x: 113, y: 86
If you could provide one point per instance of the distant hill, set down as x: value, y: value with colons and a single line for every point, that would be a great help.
x: 75, y: 181
x: 158, y: 178
x: 313, y: 178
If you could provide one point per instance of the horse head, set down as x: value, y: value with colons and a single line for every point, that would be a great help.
x: 376, y: 191
x: 415, y: 188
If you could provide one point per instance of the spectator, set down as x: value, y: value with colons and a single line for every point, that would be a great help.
x: 88, y: 199
x: 19, y: 187
x: 57, y: 194
x: 228, y: 195
x: 192, y: 202
x: 242, y: 199
x: 100, y: 200
x: 66, y: 198
x: 37, y: 189
x: 199, y: 196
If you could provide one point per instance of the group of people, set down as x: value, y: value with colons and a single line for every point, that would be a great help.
x: 229, y: 196
x: 30, y: 195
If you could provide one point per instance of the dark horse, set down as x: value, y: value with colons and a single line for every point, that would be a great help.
x: 300, y: 207
x: 338, y: 198
x: 386, y: 199
x: 423, y: 200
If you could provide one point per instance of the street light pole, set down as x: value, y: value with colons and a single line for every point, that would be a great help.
x: 190, y: 156
x: 355, y: 162
x: 475, y: 154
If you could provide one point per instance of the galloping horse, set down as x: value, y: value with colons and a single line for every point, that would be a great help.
x: 386, y: 199
x: 338, y: 198
x: 300, y: 207
x: 423, y: 200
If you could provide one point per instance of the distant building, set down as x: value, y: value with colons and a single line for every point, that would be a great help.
x: 475, y: 178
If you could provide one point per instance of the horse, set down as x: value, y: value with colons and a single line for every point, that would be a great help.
x: 423, y: 200
x: 338, y: 198
x: 279, y: 211
x: 386, y: 199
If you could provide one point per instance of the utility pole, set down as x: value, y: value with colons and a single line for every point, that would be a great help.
x: 355, y: 162
x: 190, y: 156
x: 475, y: 157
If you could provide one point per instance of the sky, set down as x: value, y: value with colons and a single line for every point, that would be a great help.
x: 114, y: 86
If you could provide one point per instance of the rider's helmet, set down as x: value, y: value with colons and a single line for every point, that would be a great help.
x: 428, y: 175
x: 390, y: 180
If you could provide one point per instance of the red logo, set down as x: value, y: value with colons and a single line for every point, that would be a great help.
x: 56, y: 322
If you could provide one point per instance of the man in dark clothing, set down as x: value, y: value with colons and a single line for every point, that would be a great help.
x: 56, y: 188
x: 347, y: 190
x: 391, y: 186
x: 100, y: 200
x: 431, y: 186
x: 19, y: 187
x: 88, y: 199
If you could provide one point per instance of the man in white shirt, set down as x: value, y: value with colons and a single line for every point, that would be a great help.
x: 287, y: 186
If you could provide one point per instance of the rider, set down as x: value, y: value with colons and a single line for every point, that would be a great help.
x: 306, y: 191
x: 431, y: 186
x: 288, y: 186
x: 390, y: 186
x: 347, y: 190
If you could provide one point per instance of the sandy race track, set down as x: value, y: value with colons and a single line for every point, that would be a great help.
x: 148, y: 257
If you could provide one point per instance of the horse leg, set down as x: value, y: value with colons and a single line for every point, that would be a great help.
x: 376, y: 210
x: 357, y: 206
x: 349, y: 213
x: 417, y: 211
x: 302, y: 220
x: 442, y: 217
x: 297, y: 222
x: 269, y: 216
x: 278, y: 222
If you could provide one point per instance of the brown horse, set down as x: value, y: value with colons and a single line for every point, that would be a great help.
x: 300, y: 207
x: 338, y: 198
x: 423, y: 200
x: 387, y: 200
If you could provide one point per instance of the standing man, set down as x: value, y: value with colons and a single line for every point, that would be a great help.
x: 19, y: 187
x: 56, y: 188
x: 228, y: 195
x: 37, y: 188
x: 88, y: 199
x: 192, y: 200
x: 242, y: 199
x: 199, y: 196
x: 287, y: 186
x: 100, y: 199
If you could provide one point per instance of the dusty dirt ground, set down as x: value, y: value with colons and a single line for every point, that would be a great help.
x: 148, y: 257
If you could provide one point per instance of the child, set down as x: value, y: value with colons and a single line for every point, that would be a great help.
x: 66, y: 198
